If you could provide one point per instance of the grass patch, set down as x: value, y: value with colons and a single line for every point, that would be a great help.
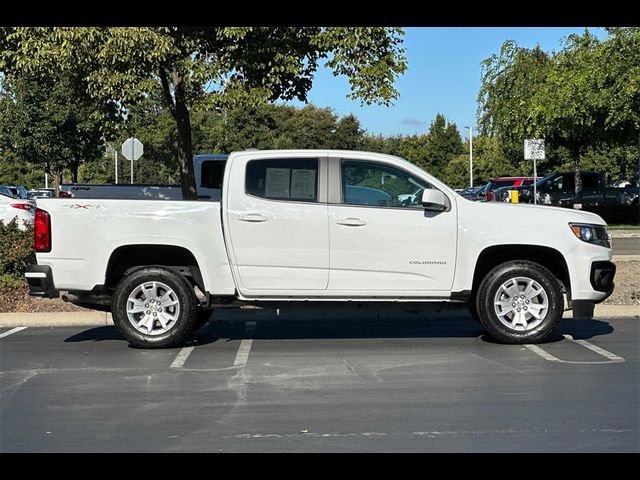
x: 622, y: 226
x: 10, y: 282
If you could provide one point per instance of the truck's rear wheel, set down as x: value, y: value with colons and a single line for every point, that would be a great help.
x: 519, y: 302
x: 154, y: 308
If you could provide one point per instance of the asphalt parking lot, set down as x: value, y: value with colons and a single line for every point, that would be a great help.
x: 384, y: 383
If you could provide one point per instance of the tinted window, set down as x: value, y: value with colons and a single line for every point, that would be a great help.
x: 527, y: 182
x: 589, y: 180
x: 212, y: 174
x: 293, y: 179
x: 502, y: 183
x: 563, y: 183
x: 369, y: 183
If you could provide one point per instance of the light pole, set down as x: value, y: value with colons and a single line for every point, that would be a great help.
x: 470, y: 156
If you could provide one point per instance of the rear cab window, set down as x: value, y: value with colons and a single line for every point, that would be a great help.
x: 212, y: 174
x: 294, y: 180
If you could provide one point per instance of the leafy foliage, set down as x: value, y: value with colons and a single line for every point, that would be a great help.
x: 207, y: 68
x: 583, y: 98
x: 47, y: 125
x: 16, y: 248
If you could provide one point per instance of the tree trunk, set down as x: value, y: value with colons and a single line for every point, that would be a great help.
x: 577, y: 176
x: 57, y: 179
x: 185, y: 148
x: 74, y: 171
x: 177, y: 104
x: 185, y: 153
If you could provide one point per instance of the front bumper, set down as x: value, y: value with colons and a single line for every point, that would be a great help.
x: 601, y: 278
x: 40, y: 280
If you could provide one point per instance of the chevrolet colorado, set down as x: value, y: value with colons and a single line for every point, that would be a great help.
x: 313, y: 226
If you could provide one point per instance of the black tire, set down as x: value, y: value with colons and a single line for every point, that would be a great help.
x: 487, y: 311
x: 183, y: 325
x: 202, y: 318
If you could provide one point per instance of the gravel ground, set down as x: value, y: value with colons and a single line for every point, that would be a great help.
x: 18, y: 300
x: 627, y: 292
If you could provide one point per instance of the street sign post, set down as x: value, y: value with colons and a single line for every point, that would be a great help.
x: 534, y: 150
x: 132, y: 150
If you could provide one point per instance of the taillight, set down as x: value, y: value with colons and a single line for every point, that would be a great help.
x: 42, y: 231
x: 22, y: 206
x: 64, y: 195
x: 489, y: 196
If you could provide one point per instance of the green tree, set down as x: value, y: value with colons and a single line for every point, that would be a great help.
x: 580, y: 99
x: 44, y: 123
x: 489, y: 161
x: 210, y: 68
x: 443, y: 144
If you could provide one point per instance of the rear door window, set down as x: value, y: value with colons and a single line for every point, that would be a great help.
x: 293, y: 179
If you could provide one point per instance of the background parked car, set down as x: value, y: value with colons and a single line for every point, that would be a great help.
x: 10, y: 208
x: 495, y: 183
x: 473, y: 193
x: 14, y: 191
x: 559, y: 189
x: 42, y: 193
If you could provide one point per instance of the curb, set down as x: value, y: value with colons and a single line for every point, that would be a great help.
x: 625, y: 234
x: 55, y: 319
x: 82, y: 319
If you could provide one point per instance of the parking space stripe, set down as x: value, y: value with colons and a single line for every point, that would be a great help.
x: 11, y: 332
x: 243, y: 353
x: 182, y: 356
x: 543, y: 353
x: 594, y: 348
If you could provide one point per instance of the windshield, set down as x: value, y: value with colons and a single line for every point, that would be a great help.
x: 543, y: 180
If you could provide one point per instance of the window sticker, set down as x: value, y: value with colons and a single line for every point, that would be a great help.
x: 303, y: 184
x: 277, y: 183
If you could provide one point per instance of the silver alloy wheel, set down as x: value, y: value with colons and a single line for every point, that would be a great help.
x: 521, y: 303
x: 153, y: 308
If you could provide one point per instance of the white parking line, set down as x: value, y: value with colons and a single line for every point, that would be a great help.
x: 182, y: 356
x: 543, y: 353
x: 611, y: 357
x: 11, y: 332
x: 594, y: 348
x: 243, y: 353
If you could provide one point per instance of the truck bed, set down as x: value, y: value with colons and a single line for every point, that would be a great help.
x: 85, y: 233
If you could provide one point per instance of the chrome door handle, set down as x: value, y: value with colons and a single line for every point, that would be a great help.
x: 351, y: 222
x: 253, y: 217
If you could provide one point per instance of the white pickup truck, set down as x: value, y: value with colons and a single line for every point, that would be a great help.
x: 313, y: 226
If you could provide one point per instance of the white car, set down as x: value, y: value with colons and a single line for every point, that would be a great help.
x: 301, y: 226
x: 22, y: 210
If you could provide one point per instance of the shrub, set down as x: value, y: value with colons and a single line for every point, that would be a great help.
x: 16, y: 249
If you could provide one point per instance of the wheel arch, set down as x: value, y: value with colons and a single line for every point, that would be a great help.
x: 548, y: 257
x: 128, y: 258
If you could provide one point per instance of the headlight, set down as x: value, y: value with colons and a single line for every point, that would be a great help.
x: 595, y: 234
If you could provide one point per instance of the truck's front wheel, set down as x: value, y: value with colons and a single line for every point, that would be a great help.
x: 154, y: 308
x: 519, y: 302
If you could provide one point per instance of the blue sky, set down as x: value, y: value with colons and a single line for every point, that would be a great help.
x: 443, y: 76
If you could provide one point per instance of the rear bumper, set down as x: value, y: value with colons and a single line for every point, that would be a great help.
x: 601, y: 278
x: 40, y: 280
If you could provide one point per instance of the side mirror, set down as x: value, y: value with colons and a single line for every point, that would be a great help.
x: 434, y: 200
